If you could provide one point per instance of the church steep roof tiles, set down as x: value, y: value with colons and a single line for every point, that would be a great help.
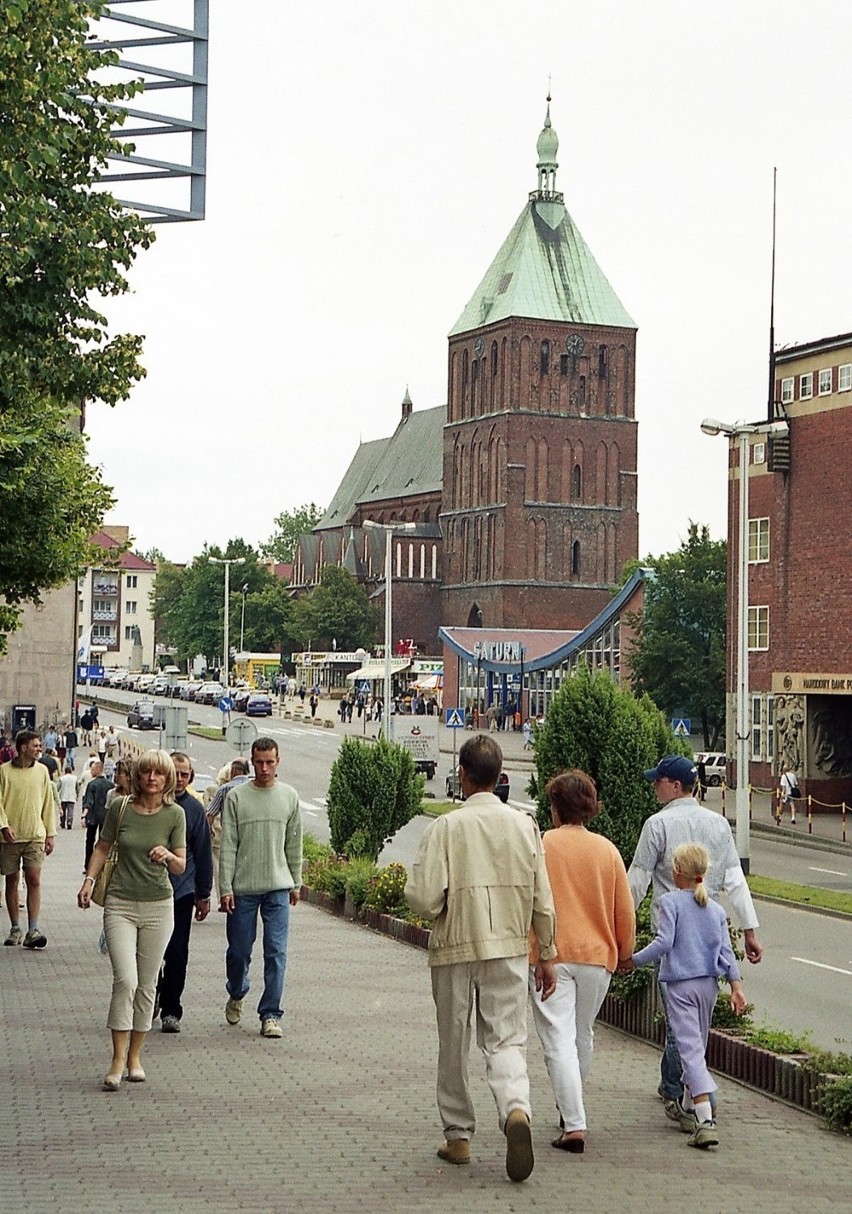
x: 545, y: 271
x: 408, y: 463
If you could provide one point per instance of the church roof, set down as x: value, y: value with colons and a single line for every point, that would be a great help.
x: 544, y: 269
x: 409, y: 463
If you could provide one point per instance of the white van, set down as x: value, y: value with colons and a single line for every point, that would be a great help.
x: 714, y: 765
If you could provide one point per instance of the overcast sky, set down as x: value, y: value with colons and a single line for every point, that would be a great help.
x: 366, y: 159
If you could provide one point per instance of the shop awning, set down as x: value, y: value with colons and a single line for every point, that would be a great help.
x: 430, y: 682
x: 376, y: 670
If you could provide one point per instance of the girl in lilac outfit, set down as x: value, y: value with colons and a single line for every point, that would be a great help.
x: 693, y: 946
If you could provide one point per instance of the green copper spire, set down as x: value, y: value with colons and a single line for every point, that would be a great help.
x: 547, y: 147
x: 544, y: 269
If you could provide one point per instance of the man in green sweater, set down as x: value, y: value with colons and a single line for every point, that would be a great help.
x: 27, y: 833
x: 260, y: 869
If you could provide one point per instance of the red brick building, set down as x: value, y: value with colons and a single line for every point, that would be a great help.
x: 800, y: 575
x: 523, y: 487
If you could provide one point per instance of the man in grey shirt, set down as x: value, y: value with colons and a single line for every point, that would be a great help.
x: 681, y: 819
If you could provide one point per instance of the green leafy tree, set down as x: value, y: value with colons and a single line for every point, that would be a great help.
x: 678, y: 653
x: 289, y: 525
x: 269, y: 619
x: 595, y: 725
x: 373, y: 791
x: 188, y: 602
x: 337, y: 611
x: 63, y: 244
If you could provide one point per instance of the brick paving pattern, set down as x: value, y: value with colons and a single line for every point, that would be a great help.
x: 339, y: 1115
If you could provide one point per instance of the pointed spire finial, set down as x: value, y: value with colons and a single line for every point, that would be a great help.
x: 547, y: 147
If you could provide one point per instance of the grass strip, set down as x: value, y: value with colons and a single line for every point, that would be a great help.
x: 435, y: 809
x: 805, y: 895
x: 206, y: 731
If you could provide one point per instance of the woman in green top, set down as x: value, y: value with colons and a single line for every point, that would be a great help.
x: 150, y: 830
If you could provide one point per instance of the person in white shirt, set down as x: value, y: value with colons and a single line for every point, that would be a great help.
x: 789, y: 793
x: 67, y: 800
x: 681, y: 819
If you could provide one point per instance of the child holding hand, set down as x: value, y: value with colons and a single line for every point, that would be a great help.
x: 693, y: 946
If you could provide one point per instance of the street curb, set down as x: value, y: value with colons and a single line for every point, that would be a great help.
x: 805, y: 906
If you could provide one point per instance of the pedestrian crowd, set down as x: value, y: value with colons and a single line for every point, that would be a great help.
x: 517, y: 917
x: 149, y: 858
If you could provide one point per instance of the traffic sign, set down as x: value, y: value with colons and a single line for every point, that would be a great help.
x: 241, y: 733
x: 454, y: 718
x: 226, y: 704
x: 682, y: 727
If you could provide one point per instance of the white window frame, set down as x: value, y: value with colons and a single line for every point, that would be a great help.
x: 130, y: 606
x: 758, y: 453
x: 824, y: 383
x: 844, y: 377
x: 787, y: 390
x: 131, y: 581
x: 756, y: 728
x: 806, y: 386
x: 758, y: 541
x: 770, y: 729
x: 758, y: 628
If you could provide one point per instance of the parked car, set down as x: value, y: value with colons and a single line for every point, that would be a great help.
x: 209, y: 693
x: 141, y: 715
x: 144, y: 682
x: 714, y: 764
x: 160, y: 685
x: 116, y: 678
x: 188, y: 690
x: 258, y: 705
x: 241, y: 699
x: 453, y: 786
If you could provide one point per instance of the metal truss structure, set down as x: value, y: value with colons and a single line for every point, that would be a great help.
x: 152, y: 51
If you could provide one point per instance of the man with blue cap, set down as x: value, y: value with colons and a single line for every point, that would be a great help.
x: 681, y: 819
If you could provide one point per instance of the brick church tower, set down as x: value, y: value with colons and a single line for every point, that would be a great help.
x: 539, y: 506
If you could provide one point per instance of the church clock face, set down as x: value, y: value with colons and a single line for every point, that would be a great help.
x: 479, y: 347
x: 574, y: 345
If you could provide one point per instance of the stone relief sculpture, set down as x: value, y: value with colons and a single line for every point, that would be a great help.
x: 790, y: 734
x: 831, y: 737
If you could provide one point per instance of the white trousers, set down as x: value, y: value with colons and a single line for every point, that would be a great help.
x: 496, y: 991
x: 136, y: 934
x: 566, y: 1028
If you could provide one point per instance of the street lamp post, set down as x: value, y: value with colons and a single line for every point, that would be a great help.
x: 741, y: 431
x: 389, y: 529
x: 243, y: 618
x: 227, y: 562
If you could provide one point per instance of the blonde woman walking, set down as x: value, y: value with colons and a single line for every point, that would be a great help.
x: 150, y: 831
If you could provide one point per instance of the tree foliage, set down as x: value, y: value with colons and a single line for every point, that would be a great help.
x: 678, y: 655
x: 289, y: 525
x: 188, y: 605
x: 64, y: 243
x: 373, y: 792
x: 336, y: 612
x: 595, y: 725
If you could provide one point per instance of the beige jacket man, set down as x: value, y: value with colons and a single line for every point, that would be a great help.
x: 480, y: 874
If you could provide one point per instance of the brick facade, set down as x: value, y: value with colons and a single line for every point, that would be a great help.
x: 803, y: 578
x: 540, y: 513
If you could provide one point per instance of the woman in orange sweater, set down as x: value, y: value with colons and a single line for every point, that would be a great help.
x: 595, y: 930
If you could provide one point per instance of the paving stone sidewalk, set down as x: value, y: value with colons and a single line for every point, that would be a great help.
x: 339, y: 1115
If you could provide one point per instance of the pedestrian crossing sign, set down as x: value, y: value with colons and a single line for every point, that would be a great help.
x: 454, y: 718
x: 682, y: 727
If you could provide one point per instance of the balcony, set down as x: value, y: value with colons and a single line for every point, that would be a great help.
x: 105, y: 588
x: 105, y: 617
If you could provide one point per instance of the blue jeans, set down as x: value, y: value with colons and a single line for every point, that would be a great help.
x: 274, y: 910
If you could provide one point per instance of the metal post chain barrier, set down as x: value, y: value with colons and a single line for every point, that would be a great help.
x: 841, y: 805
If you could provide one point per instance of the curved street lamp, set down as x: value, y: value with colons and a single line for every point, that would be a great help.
x: 227, y: 562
